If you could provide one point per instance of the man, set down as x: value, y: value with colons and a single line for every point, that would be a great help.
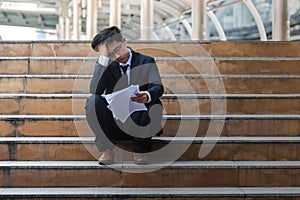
x: 119, y: 67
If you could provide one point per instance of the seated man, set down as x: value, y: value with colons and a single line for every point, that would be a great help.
x: 119, y: 67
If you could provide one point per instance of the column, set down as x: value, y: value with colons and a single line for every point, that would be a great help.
x: 62, y: 20
x: 68, y: 31
x: 61, y: 28
x: 115, y: 13
x: 76, y: 20
x: 199, y: 20
x: 91, y: 19
x: 281, y: 21
x: 146, y: 19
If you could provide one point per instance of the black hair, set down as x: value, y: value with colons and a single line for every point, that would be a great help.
x: 107, y: 35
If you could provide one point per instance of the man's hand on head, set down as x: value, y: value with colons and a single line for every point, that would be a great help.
x: 103, y: 50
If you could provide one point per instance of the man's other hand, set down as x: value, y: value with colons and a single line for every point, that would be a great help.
x: 141, y: 97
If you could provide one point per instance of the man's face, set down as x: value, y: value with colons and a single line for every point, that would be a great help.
x: 117, y: 51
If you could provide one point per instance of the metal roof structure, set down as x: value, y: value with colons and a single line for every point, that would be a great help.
x: 38, y: 14
x: 46, y: 13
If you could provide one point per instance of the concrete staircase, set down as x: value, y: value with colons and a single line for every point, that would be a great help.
x: 243, y: 97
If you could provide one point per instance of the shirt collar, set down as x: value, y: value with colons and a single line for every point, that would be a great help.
x: 129, y: 59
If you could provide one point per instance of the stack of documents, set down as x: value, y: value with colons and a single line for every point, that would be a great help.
x: 121, y: 105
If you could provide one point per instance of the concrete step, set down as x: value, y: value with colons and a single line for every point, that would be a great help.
x: 180, y: 125
x: 83, y: 148
x: 191, y: 84
x: 166, y: 193
x: 67, y: 104
x: 159, y: 48
x: 166, y: 65
x: 176, y: 174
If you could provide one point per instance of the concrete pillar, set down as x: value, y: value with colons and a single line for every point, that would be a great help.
x: 199, y: 20
x: 76, y: 19
x: 146, y: 19
x: 61, y: 28
x: 91, y: 19
x: 281, y: 21
x: 62, y: 20
x: 68, y: 30
x: 115, y: 13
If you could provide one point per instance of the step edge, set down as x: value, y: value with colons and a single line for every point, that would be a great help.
x: 165, y: 96
x: 158, y: 58
x: 183, y: 191
x: 73, y: 165
x: 163, y: 76
x: 165, y: 117
x: 174, y: 140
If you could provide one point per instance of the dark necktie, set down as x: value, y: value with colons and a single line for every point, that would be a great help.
x: 125, y: 75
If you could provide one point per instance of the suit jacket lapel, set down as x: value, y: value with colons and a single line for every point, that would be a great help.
x: 134, y: 63
x: 115, y: 70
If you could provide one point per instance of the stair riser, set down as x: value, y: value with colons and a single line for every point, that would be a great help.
x: 176, y: 177
x: 265, y: 67
x: 151, y: 197
x: 230, y: 151
x: 84, y: 66
x: 269, y: 177
x: 190, y: 86
x: 14, y: 66
x: 138, y: 197
x: 216, y: 177
x: 171, y: 106
x: 232, y: 127
x: 157, y: 49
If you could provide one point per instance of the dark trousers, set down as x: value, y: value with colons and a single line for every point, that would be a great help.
x: 108, y: 130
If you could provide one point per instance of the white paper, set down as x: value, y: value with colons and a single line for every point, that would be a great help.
x: 121, y: 105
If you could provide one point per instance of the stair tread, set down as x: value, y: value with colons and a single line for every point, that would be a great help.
x: 171, y: 117
x: 130, y: 165
x: 230, y: 139
x: 165, y: 96
x: 109, y: 191
x: 164, y: 58
x: 163, y: 76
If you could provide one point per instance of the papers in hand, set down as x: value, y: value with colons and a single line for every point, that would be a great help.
x: 121, y: 105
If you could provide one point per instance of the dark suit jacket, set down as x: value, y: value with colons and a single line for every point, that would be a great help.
x: 143, y: 72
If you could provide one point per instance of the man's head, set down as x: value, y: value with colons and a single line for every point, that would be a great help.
x: 115, y: 43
